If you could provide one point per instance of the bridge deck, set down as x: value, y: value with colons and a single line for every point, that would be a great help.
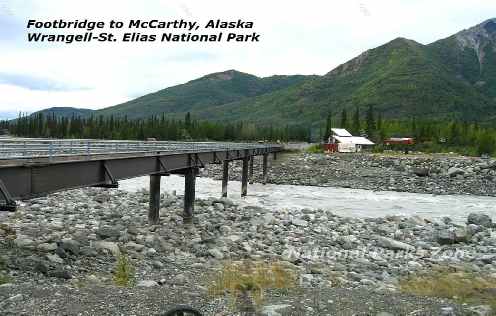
x: 35, y: 167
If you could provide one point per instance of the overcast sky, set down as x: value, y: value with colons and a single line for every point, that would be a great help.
x: 297, y: 37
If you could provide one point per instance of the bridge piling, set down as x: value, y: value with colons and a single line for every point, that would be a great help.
x: 154, y: 210
x: 189, y: 193
x: 244, y: 177
x: 250, y: 176
x: 264, y: 169
x: 225, y: 177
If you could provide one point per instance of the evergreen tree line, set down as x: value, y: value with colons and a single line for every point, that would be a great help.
x: 467, y: 138
x: 161, y: 128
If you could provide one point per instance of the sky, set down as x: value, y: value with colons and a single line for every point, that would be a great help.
x: 297, y: 37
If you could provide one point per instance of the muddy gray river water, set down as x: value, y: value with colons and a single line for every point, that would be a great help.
x: 341, y: 201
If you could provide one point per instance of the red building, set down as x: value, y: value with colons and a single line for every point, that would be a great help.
x: 399, y: 141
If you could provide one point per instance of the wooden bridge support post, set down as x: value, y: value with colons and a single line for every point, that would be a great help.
x: 225, y: 177
x: 189, y: 193
x: 250, y: 176
x: 264, y: 169
x: 154, y: 210
x: 275, y: 155
x: 244, y: 177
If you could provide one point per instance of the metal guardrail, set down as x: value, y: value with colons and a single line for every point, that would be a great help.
x: 18, y: 148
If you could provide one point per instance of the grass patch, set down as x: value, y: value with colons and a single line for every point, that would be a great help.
x: 124, y: 272
x: 246, y: 282
x: 4, y: 279
x: 462, y: 287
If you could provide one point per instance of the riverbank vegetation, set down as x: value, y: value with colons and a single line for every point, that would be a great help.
x: 161, y: 128
x: 463, y: 137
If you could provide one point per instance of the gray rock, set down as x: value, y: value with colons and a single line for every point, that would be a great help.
x: 453, y: 236
x: 60, y: 273
x: 24, y: 243
x: 480, y: 219
x: 134, y: 246
x: 55, y: 258
x: 157, y: 264
x: 392, y: 244
x: 108, y: 232
x: 147, y: 283
x: 216, y: 253
x: 461, y: 235
x: 299, y: 222
x: 421, y: 172
x: 453, y: 172
x: 107, y: 246
x: 41, y: 267
x: 70, y: 245
x: 276, y: 310
x: 47, y: 247
x: 447, y: 311
x: 488, y: 258
x: 179, y: 279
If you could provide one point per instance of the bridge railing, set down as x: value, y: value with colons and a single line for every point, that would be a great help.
x: 13, y: 148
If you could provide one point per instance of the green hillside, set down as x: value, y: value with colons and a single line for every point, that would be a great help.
x: 453, y: 78
x: 401, y: 79
x: 200, y: 94
x: 66, y: 112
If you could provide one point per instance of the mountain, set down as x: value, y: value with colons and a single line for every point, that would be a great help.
x: 471, y: 54
x: 201, y: 94
x: 451, y: 78
x: 66, y: 112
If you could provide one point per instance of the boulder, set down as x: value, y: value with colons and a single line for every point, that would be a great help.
x: 216, y: 253
x: 480, y: 219
x: 147, y: 283
x: 70, y: 245
x: 55, y: 258
x: 421, y: 172
x: 392, y: 244
x: 107, y: 246
x: 108, y: 232
x: 276, y: 310
x: 453, y: 172
x: 299, y: 222
x: 47, y: 247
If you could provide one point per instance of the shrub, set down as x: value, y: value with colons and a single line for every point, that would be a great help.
x: 123, y: 272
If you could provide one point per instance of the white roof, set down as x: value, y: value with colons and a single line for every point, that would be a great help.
x: 354, y: 140
x: 341, y: 132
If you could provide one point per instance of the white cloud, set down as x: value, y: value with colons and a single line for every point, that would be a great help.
x: 310, y: 37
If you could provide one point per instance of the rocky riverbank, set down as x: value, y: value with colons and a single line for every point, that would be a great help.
x: 435, y: 174
x: 58, y: 256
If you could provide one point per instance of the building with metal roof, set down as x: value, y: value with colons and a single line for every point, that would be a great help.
x: 343, y: 141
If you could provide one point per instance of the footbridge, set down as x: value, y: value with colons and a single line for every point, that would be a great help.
x: 35, y: 167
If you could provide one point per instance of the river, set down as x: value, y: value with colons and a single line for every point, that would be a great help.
x: 341, y: 201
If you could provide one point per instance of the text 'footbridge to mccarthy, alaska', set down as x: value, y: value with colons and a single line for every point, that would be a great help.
x: 35, y: 167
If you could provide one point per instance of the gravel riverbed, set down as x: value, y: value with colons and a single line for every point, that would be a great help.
x: 59, y: 253
x: 434, y: 174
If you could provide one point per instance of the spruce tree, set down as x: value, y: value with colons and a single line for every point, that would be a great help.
x: 356, y: 122
x: 344, y: 119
